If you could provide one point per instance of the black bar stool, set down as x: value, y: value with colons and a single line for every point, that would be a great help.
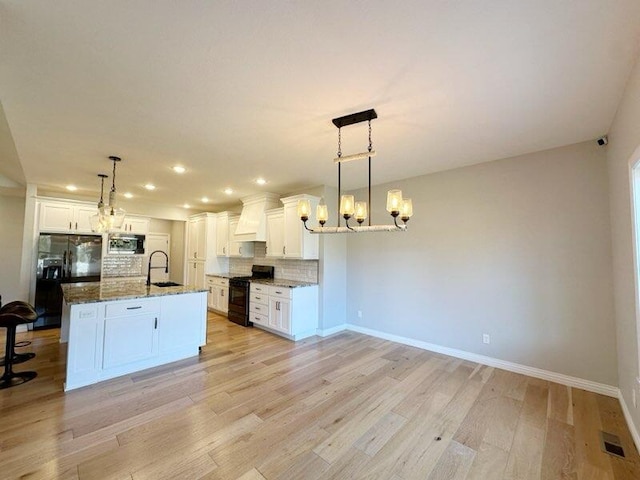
x: 26, y: 311
x: 10, y: 378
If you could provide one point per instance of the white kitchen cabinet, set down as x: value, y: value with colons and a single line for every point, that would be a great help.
x: 182, y: 317
x: 299, y: 242
x: 138, y: 225
x: 236, y: 248
x: 130, y: 338
x: 218, y: 297
x: 109, y: 339
x: 222, y: 234
x: 65, y: 217
x: 196, y: 238
x: 290, y: 312
x: 196, y: 273
x: 275, y: 233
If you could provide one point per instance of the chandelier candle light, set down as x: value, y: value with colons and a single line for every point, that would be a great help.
x: 348, y: 206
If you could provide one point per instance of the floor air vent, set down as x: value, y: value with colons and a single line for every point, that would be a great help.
x: 610, y: 444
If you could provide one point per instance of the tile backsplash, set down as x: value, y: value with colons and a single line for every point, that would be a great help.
x: 301, y: 270
x: 122, y: 266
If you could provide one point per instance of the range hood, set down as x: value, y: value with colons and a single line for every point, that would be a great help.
x: 252, y: 226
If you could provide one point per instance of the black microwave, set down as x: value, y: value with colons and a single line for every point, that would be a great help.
x: 120, y: 243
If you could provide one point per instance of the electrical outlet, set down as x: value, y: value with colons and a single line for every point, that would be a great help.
x: 359, y: 313
x: 486, y: 338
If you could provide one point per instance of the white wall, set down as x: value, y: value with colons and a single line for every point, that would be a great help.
x: 622, y: 151
x: 176, y: 266
x: 517, y: 248
x: 12, y: 215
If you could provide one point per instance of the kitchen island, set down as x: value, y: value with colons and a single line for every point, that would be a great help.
x: 117, y: 327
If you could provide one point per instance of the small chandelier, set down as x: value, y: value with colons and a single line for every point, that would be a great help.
x: 111, y: 216
x: 96, y: 220
x: 348, y: 207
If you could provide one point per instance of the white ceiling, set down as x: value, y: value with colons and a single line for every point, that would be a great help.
x: 235, y: 90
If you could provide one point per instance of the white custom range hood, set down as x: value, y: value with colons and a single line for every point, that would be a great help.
x: 252, y: 226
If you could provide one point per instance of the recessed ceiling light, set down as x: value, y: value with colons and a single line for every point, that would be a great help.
x: 128, y: 195
x: 179, y: 169
x: 72, y: 188
x: 261, y: 181
x: 186, y: 205
x: 228, y: 191
x: 150, y: 186
x: 205, y: 200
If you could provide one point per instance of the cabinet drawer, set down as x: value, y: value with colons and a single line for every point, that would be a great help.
x: 259, y: 288
x: 259, y: 319
x: 280, y: 292
x: 259, y: 298
x: 219, y: 281
x: 258, y: 308
x: 134, y: 307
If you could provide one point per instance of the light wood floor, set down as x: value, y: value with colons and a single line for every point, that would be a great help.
x: 255, y: 406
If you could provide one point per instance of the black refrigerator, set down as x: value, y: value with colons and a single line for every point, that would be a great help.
x: 63, y: 259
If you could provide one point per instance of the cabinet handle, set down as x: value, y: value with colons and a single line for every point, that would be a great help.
x: 155, y: 324
x: 257, y: 308
x: 279, y: 293
x: 222, y: 293
x: 76, y: 225
x: 224, y: 250
x: 284, y: 250
x: 210, y: 290
x: 277, y: 305
x: 257, y: 298
x: 194, y: 265
x: 256, y: 318
x: 240, y: 250
x: 69, y: 225
x: 134, y: 308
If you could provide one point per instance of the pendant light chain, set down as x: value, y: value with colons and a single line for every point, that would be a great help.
x: 370, y: 143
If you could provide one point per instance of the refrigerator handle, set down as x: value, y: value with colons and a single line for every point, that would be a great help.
x: 70, y: 263
x: 64, y: 264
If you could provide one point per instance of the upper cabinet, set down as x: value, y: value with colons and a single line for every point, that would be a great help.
x: 65, y: 217
x: 298, y: 242
x: 275, y: 233
x: 68, y: 217
x: 201, y: 236
x: 133, y: 224
x: 238, y: 248
x: 222, y: 234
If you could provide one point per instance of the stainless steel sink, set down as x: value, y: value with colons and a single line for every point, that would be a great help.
x: 166, y: 284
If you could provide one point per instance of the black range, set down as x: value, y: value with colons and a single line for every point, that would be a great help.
x: 239, y: 294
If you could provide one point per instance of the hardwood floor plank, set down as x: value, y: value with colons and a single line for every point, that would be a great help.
x: 255, y: 406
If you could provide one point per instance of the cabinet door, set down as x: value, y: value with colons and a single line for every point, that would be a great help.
x: 280, y: 314
x: 56, y: 217
x: 129, y: 339
x: 234, y: 247
x: 223, y: 299
x: 211, y: 295
x: 293, y: 229
x: 222, y: 236
x: 136, y: 225
x: 82, y: 220
x: 195, y: 235
x: 191, y: 273
x: 182, y: 322
x: 201, y: 239
x: 275, y: 234
x: 200, y: 281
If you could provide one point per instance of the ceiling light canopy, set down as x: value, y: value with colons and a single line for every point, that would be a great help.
x: 348, y: 206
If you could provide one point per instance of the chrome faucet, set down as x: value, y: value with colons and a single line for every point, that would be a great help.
x: 166, y: 265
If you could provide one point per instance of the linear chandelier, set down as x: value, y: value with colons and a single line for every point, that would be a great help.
x: 348, y: 207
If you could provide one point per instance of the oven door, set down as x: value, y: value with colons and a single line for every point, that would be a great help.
x: 239, y: 302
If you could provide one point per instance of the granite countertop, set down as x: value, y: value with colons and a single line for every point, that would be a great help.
x: 225, y: 275
x: 283, y: 282
x: 109, y: 290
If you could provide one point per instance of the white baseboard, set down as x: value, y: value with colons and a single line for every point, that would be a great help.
x: 330, y: 331
x: 630, y: 424
x: 561, y: 378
